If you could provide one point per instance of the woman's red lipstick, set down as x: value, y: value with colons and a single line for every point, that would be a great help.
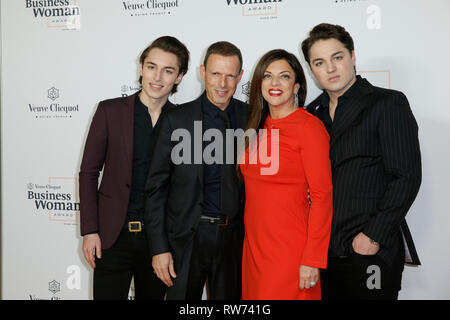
x: 275, y: 92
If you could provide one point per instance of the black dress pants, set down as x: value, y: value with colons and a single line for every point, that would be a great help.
x: 362, y: 277
x: 216, y: 258
x: 128, y: 257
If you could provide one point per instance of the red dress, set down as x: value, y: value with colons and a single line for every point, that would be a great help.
x: 282, y: 230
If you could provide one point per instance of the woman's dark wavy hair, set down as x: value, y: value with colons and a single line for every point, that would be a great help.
x: 259, y: 108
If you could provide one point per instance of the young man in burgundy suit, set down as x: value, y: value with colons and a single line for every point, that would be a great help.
x: 119, y: 143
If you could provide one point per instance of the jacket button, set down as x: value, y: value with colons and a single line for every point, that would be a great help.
x: 128, y: 186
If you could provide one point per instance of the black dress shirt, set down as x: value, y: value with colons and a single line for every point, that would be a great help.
x: 212, y: 172
x: 323, y: 111
x: 142, y: 137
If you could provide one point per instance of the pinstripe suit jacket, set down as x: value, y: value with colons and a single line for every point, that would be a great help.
x: 376, y: 166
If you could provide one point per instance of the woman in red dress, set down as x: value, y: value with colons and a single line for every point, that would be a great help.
x: 288, y: 205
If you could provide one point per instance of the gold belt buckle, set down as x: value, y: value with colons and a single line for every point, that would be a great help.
x: 132, y: 226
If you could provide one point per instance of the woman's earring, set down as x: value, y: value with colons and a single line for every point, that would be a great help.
x: 296, y: 100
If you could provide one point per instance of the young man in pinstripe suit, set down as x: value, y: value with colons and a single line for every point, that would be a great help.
x: 376, y: 165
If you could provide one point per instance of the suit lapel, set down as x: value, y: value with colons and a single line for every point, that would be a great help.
x: 356, y: 104
x: 128, y: 126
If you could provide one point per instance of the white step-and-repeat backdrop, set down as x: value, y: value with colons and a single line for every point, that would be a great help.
x: 60, y: 57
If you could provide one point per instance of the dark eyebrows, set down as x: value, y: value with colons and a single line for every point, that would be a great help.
x: 339, y: 52
x: 166, y: 67
x: 280, y: 72
x: 333, y: 55
x: 226, y: 74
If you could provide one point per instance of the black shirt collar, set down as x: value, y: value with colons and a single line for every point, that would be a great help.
x: 325, y: 100
x: 139, y: 106
x: 213, y: 110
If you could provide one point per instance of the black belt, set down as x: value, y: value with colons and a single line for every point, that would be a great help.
x: 216, y: 220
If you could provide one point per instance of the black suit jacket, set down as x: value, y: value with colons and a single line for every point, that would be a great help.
x: 376, y: 165
x: 174, y: 201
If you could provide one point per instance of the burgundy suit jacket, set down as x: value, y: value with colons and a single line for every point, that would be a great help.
x: 109, y: 146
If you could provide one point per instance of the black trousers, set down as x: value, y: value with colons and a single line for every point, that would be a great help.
x: 216, y: 259
x: 362, y: 277
x: 128, y: 257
